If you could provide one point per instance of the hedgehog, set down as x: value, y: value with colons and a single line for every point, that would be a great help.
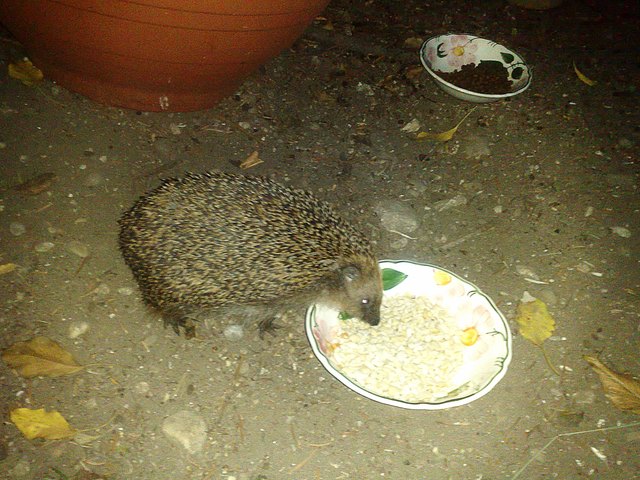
x: 224, y: 244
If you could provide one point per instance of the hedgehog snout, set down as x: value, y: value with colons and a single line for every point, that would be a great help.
x: 370, y: 311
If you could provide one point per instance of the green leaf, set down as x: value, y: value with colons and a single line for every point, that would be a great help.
x: 507, y: 57
x: 391, y: 278
x: 344, y: 316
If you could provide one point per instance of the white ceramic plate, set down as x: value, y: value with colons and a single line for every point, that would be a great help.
x: 485, y: 362
x: 448, y: 53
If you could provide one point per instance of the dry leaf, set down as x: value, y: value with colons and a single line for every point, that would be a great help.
x: 40, y: 356
x: 328, y: 26
x: 7, y: 268
x: 443, y: 136
x: 413, y: 42
x: 37, y: 184
x: 41, y: 424
x: 583, y: 78
x: 26, y: 72
x: 414, y: 73
x: 535, y: 322
x: 622, y: 389
x: 251, y: 161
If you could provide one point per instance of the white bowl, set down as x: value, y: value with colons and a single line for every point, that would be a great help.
x: 484, y: 363
x: 448, y: 53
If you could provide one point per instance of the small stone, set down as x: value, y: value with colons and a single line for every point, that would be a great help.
x: 127, y: 291
x: 584, y: 397
x: 142, y: 388
x: 583, y: 267
x: 21, y: 469
x: 233, y: 332
x: 78, y: 248
x: 399, y: 244
x: 526, y: 272
x: 548, y: 296
x: 456, y: 201
x: 164, y: 147
x: 186, y: 429
x: 365, y: 88
x: 412, y: 127
x: 620, y: 180
x: 102, y: 289
x: 397, y: 216
x: 17, y: 229
x: 621, y: 231
x: 588, y: 212
x: 150, y: 341
x: 44, y: 247
x: 625, y: 143
x: 476, y: 147
x: 92, y: 180
x: 498, y: 209
x: 244, y: 125
x: 78, y: 328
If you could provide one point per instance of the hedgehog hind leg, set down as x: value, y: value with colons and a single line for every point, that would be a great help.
x: 268, y: 324
x: 180, y: 321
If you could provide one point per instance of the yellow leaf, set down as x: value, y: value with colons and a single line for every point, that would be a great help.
x: 443, y: 136
x: 26, y: 72
x: 41, y: 424
x: 621, y: 388
x: 583, y: 78
x: 7, y: 268
x: 40, y: 357
x: 535, y: 322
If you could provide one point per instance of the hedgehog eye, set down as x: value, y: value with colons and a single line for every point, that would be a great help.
x: 351, y: 272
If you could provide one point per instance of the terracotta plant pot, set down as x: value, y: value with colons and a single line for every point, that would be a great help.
x: 170, y: 55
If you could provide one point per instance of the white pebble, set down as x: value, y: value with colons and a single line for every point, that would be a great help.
x: 78, y: 328
x: 187, y: 429
x: 102, y: 289
x: 44, y: 247
x: 621, y: 231
x: 526, y: 272
x: 233, y: 332
x: 78, y: 248
x: 17, y: 229
x: 142, y: 388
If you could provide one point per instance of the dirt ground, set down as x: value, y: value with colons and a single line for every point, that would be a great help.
x: 545, y: 200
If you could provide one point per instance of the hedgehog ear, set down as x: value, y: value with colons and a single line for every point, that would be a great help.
x: 350, y: 272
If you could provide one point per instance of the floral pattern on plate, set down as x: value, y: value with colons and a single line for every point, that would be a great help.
x: 485, y: 359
